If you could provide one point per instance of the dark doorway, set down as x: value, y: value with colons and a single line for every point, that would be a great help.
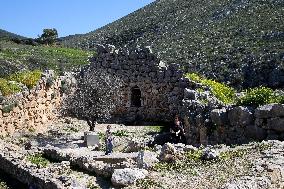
x: 136, y: 97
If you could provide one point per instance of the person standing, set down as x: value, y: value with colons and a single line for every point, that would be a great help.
x: 109, y: 141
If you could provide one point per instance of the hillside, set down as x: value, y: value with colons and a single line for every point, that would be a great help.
x: 8, y: 35
x: 239, y: 42
x: 17, y: 57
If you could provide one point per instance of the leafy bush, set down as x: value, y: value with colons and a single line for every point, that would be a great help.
x: 221, y: 91
x: 193, y: 76
x: 38, y: 160
x: 120, y: 133
x: 260, y: 96
x: 8, y: 88
x: 28, y: 78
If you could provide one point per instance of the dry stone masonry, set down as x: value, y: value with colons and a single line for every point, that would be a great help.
x: 152, y: 91
x: 32, y: 109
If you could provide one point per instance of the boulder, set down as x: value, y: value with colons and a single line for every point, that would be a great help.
x: 91, y: 139
x: 219, y: 116
x: 127, y: 176
x: 276, y: 124
x: 189, y: 94
x: 168, y: 153
x: 146, y: 159
x: 240, y: 116
x: 270, y: 110
x: 209, y: 154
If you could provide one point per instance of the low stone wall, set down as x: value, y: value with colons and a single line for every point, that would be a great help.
x: 32, y: 109
x: 215, y: 123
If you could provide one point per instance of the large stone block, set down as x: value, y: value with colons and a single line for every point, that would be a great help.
x: 255, y: 132
x: 219, y: 116
x: 189, y: 94
x: 270, y: 110
x: 276, y: 124
x: 240, y: 116
x: 91, y: 139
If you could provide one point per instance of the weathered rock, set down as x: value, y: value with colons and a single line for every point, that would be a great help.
x: 276, y: 124
x: 269, y: 111
x: 189, y: 94
x: 255, y: 132
x: 209, y: 154
x: 127, y: 176
x: 169, y: 153
x: 146, y: 159
x: 219, y: 116
x: 240, y: 116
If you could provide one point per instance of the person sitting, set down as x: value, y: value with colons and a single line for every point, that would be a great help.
x: 177, y: 131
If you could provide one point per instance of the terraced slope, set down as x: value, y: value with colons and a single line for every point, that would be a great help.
x: 240, y: 42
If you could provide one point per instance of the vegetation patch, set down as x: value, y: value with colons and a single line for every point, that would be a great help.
x: 28, y: 78
x: 7, y: 87
x: 148, y: 183
x: 260, y: 96
x: 121, y: 133
x: 38, y: 160
x: 239, y: 153
x: 224, y: 93
x: 40, y: 57
x: 154, y: 129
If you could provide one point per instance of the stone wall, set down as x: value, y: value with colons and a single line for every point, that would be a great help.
x: 161, y: 87
x: 31, y: 109
x: 213, y: 123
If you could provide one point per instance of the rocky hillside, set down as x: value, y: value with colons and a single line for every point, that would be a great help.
x: 8, y: 35
x: 16, y: 57
x: 240, y: 42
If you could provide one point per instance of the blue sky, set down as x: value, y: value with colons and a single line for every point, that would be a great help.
x: 29, y: 17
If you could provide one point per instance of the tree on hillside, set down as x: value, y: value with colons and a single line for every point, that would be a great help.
x: 49, y: 36
x: 96, y: 96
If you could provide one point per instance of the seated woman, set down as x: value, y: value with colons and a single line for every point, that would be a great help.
x: 177, y: 131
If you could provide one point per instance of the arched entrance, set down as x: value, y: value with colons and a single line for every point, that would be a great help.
x: 136, y: 97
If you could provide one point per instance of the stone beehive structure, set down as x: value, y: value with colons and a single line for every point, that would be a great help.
x: 151, y: 91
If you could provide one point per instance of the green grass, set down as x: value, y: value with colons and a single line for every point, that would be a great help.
x: 38, y: 160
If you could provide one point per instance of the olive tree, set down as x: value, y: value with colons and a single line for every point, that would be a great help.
x: 48, y: 36
x: 96, y: 96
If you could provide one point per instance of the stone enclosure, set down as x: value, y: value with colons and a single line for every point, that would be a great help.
x: 152, y: 92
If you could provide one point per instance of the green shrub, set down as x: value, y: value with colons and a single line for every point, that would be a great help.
x: 193, y: 76
x: 7, y: 88
x: 222, y: 92
x: 120, y: 133
x: 38, y: 160
x: 259, y: 96
x: 28, y: 78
